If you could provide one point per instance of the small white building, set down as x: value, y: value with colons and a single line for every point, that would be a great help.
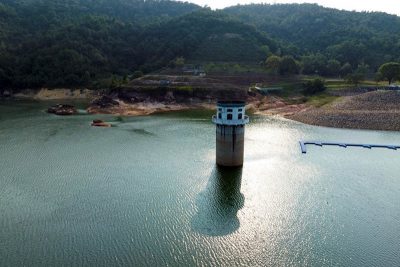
x: 231, y: 113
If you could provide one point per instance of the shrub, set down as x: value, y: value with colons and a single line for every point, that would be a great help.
x: 137, y: 74
x: 354, y: 78
x: 313, y: 87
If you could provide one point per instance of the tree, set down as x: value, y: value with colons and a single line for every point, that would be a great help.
x: 346, y: 69
x: 137, y: 74
x: 273, y: 64
x: 86, y: 78
x: 390, y: 71
x: 358, y: 75
x: 313, y: 87
x: 265, y: 50
x: 378, y: 77
x: 5, y: 80
x: 348, y: 51
x: 362, y: 69
x: 354, y: 78
x: 314, y: 64
x: 288, y: 66
x: 125, y: 79
x: 72, y: 80
x: 114, y: 82
x: 179, y: 62
x: 333, y: 67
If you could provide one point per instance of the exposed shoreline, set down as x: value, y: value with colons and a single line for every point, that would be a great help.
x: 257, y: 105
x: 379, y: 110
x: 146, y: 108
x: 55, y: 94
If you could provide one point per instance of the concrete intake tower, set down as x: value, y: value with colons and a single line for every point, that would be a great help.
x: 230, y: 124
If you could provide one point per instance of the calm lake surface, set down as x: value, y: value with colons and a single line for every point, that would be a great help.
x: 147, y: 193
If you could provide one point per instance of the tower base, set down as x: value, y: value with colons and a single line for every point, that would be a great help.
x: 230, y: 145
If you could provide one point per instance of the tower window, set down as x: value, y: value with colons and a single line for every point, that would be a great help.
x: 219, y: 116
x: 240, y: 116
x: 229, y: 117
x: 229, y: 110
x: 240, y: 110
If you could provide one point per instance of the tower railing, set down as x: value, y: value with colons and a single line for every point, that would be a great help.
x: 232, y: 122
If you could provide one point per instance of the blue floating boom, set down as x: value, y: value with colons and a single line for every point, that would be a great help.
x: 303, y: 145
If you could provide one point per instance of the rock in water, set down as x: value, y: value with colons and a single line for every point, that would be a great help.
x: 100, y: 123
x: 62, y: 110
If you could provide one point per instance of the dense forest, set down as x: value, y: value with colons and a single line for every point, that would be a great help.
x: 84, y: 43
x: 314, y: 34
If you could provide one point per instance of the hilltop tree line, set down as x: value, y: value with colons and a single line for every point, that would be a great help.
x: 92, y: 43
x: 317, y: 34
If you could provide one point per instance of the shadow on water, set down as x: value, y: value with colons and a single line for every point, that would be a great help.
x: 219, y: 203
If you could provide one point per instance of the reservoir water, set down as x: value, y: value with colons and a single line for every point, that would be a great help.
x: 147, y: 193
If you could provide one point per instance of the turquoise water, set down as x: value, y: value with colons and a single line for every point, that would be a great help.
x: 147, y: 193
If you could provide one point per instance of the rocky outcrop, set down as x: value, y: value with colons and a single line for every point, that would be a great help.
x: 105, y: 102
x: 62, y: 110
x: 134, y: 96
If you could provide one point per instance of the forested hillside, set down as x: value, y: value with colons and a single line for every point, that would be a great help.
x: 46, y: 12
x: 312, y: 30
x: 84, y: 43
x: 75, y: 42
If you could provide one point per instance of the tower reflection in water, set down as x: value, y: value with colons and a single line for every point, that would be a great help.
x: 219, y: 203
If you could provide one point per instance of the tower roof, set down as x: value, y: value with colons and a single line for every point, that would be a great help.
x: 231, y: 103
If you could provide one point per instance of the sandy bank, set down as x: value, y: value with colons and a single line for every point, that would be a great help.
x: 56, y: 94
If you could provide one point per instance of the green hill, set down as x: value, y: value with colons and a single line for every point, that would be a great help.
x: 206, y: 36
x: 82, y: 43
x: 354, y: 37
